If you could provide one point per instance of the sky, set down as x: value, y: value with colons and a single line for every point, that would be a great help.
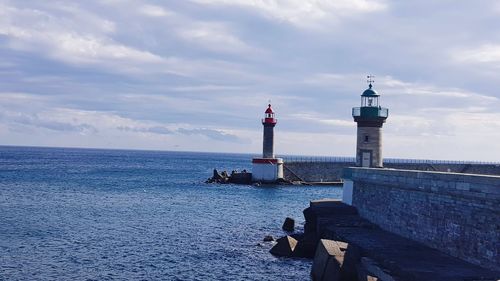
x: 197, y: 75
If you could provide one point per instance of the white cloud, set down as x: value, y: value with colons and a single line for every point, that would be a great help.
x: 40, y: 31
x: 154, y: 11
x: 318, y: 118
x: 424, y: 96
x: 104, y: 125
x: 306, y: 13
x: 489, y: 53
x: 215, y: 37
x: 44, y: 34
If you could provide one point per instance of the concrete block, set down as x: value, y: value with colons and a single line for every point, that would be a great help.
x: 288, y: 225
x: 369, y: 270
x: 333, y: 261
x: 284, y: 247
x: 306, y: 246
x: 364, y: 275
x: 325, y: 202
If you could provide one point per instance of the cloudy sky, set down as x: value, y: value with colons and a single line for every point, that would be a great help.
x: 197, y: 75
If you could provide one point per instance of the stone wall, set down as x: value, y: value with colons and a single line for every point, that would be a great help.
x: 314, y: 171
x: 332, y: 171
x: 458, y: 214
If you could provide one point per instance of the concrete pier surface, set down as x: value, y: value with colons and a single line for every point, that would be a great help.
x: 379, y: 253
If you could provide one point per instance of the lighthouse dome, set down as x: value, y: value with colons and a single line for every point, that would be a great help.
x: 370, y: 92
x: 269, y: 109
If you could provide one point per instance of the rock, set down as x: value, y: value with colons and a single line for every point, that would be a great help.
x: 216, y: 176
x: 289, y: 225
x: 268, y: 238
x: 335, y: 260
x: 284, y: 247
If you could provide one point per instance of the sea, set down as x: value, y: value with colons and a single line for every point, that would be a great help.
x: 96, y: 214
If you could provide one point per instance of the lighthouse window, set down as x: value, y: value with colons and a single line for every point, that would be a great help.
x: 367, y: 138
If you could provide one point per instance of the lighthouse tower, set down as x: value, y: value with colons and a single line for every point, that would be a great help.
x: 370, y: 118
x: 268, y: 168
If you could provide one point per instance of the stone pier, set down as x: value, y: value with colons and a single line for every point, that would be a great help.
x: 352, y: 248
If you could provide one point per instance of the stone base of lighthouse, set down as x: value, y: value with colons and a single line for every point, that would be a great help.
x: 267, y: 169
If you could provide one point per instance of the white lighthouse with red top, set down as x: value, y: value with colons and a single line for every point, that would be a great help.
x: 268, y: 168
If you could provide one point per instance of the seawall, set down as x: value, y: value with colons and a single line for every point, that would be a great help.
x: 331, y: 171
x: 457, y: 214
x: 314, y: 171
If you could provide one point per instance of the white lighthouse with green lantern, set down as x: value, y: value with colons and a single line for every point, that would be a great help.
x: 370, y: 117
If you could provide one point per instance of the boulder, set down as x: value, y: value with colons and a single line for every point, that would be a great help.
x: 284, y: 247
x: 216, y: 176
x: 289, y: 225
x: 268, y: 238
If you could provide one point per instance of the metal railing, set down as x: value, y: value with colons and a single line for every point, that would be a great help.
x: 340, y: 159
x: 370, y: 111
x: 427, y: 161
x: 314, y: 159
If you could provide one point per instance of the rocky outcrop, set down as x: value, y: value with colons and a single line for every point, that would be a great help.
x: 235, y: 177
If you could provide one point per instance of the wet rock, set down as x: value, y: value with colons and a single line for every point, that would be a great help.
x: 284, y: 247
x: 235, y: 177
x: 216, y: 175
x: 289, y: 225
x: 268, y: 238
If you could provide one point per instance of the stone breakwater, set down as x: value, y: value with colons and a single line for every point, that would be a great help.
x: 346, y: 246
x: 457, y: 214
x: 331, y: 171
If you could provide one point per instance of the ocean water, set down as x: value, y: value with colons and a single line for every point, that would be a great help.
x: 89, y: 214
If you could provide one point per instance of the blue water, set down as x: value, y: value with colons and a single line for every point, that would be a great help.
x: 89, y: 214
